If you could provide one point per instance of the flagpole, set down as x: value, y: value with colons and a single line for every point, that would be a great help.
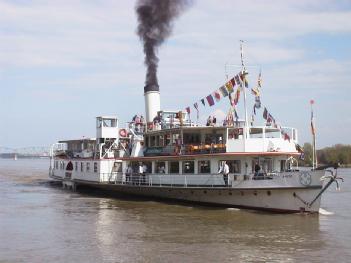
x: 314, y: 151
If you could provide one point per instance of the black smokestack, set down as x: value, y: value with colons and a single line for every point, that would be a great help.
x: 155, y: 19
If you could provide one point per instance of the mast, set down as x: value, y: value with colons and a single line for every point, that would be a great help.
x: 243, y: 71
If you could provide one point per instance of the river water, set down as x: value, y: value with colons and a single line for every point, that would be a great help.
x: 41, y: 222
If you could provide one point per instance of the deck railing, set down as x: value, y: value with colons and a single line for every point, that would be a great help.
x: 182, y: 180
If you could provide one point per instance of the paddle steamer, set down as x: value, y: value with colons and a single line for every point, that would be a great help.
x: 168, y: 156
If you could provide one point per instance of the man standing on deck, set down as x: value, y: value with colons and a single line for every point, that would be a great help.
x: 225, y: 171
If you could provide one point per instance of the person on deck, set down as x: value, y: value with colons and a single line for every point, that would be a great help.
x: 224, y: 169
x: 257, y: 171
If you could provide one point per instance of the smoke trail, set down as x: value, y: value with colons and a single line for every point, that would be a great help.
x: 155, y: 19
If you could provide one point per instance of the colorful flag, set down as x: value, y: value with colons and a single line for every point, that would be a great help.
x: 196, y: 106
x: 237, y: 96
x: 229, y: 86
x: 254, y: 109
x: 210, y: 100
x: 257, y: 102
x: 286, y: 137
x: 217, y: 95
x: 231, y: 100
x: 238, y: 80
x: 244, y: 80
x: 255, y: 91
x: 233, y: 82
x: 265, y: 113
x: 203, y: 102
x: 259, y: 80
x: 223, y: 91
x: 188, y: 110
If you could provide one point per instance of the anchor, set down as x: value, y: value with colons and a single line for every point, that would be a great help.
x: 333, y: 177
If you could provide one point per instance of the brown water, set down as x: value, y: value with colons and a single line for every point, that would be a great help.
x: 41, y: 222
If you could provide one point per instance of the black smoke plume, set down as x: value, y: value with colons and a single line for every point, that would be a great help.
x: 155, y: 18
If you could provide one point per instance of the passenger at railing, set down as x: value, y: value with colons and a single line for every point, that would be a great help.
x: 144, y: 173
x: 137, y: 123
x: 142, y: 123
x: 258, y: 174
x: 161, y: 170
x: 129, y: 173
x: 141, y: 171
x: 224, y: 169
x: 214, y: 121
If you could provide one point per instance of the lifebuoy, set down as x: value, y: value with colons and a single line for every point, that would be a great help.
x: 123, y: 132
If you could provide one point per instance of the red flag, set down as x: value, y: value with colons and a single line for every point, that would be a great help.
x: 210, y: 100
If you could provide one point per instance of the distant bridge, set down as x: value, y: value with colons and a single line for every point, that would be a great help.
x: 25, y: 152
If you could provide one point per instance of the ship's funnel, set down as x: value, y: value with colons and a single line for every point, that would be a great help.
x: 152, y: 101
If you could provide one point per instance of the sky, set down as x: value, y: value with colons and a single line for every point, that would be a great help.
x: 62, y: 63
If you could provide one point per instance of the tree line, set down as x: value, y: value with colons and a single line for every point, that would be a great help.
x: 338, y: 153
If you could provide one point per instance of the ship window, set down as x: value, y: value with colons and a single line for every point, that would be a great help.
x: 191, y: 138
x: 282, y: 165
x: 88, y: 167
x: 160, y: 167
x: 157, y: 138
x: 213, y: 138
x: 234, y: 165
x: 76, y: 166
x: 256, y: 133
x: 236, y: 133
x: 152, y: 141
x: 168, y: 138
x: 175, y: 139
x: 117, y: 167
x: 173, y: 167
x: 204, y: 167
x: 81, y: 167
x: 188, y: 167
x: 272, y: 133
x: 161, y: 141
x: 95, y: 167
x: 147, y: 167
x: 266, y: 165
x: 109, y: 123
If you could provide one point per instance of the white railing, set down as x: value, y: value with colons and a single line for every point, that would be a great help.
x: 183, y: 180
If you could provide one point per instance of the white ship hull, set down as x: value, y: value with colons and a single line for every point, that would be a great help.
x: 283, y: 193
x: 278, y: 200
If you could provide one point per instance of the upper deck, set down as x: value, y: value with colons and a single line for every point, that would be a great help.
x: 185, y: 140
